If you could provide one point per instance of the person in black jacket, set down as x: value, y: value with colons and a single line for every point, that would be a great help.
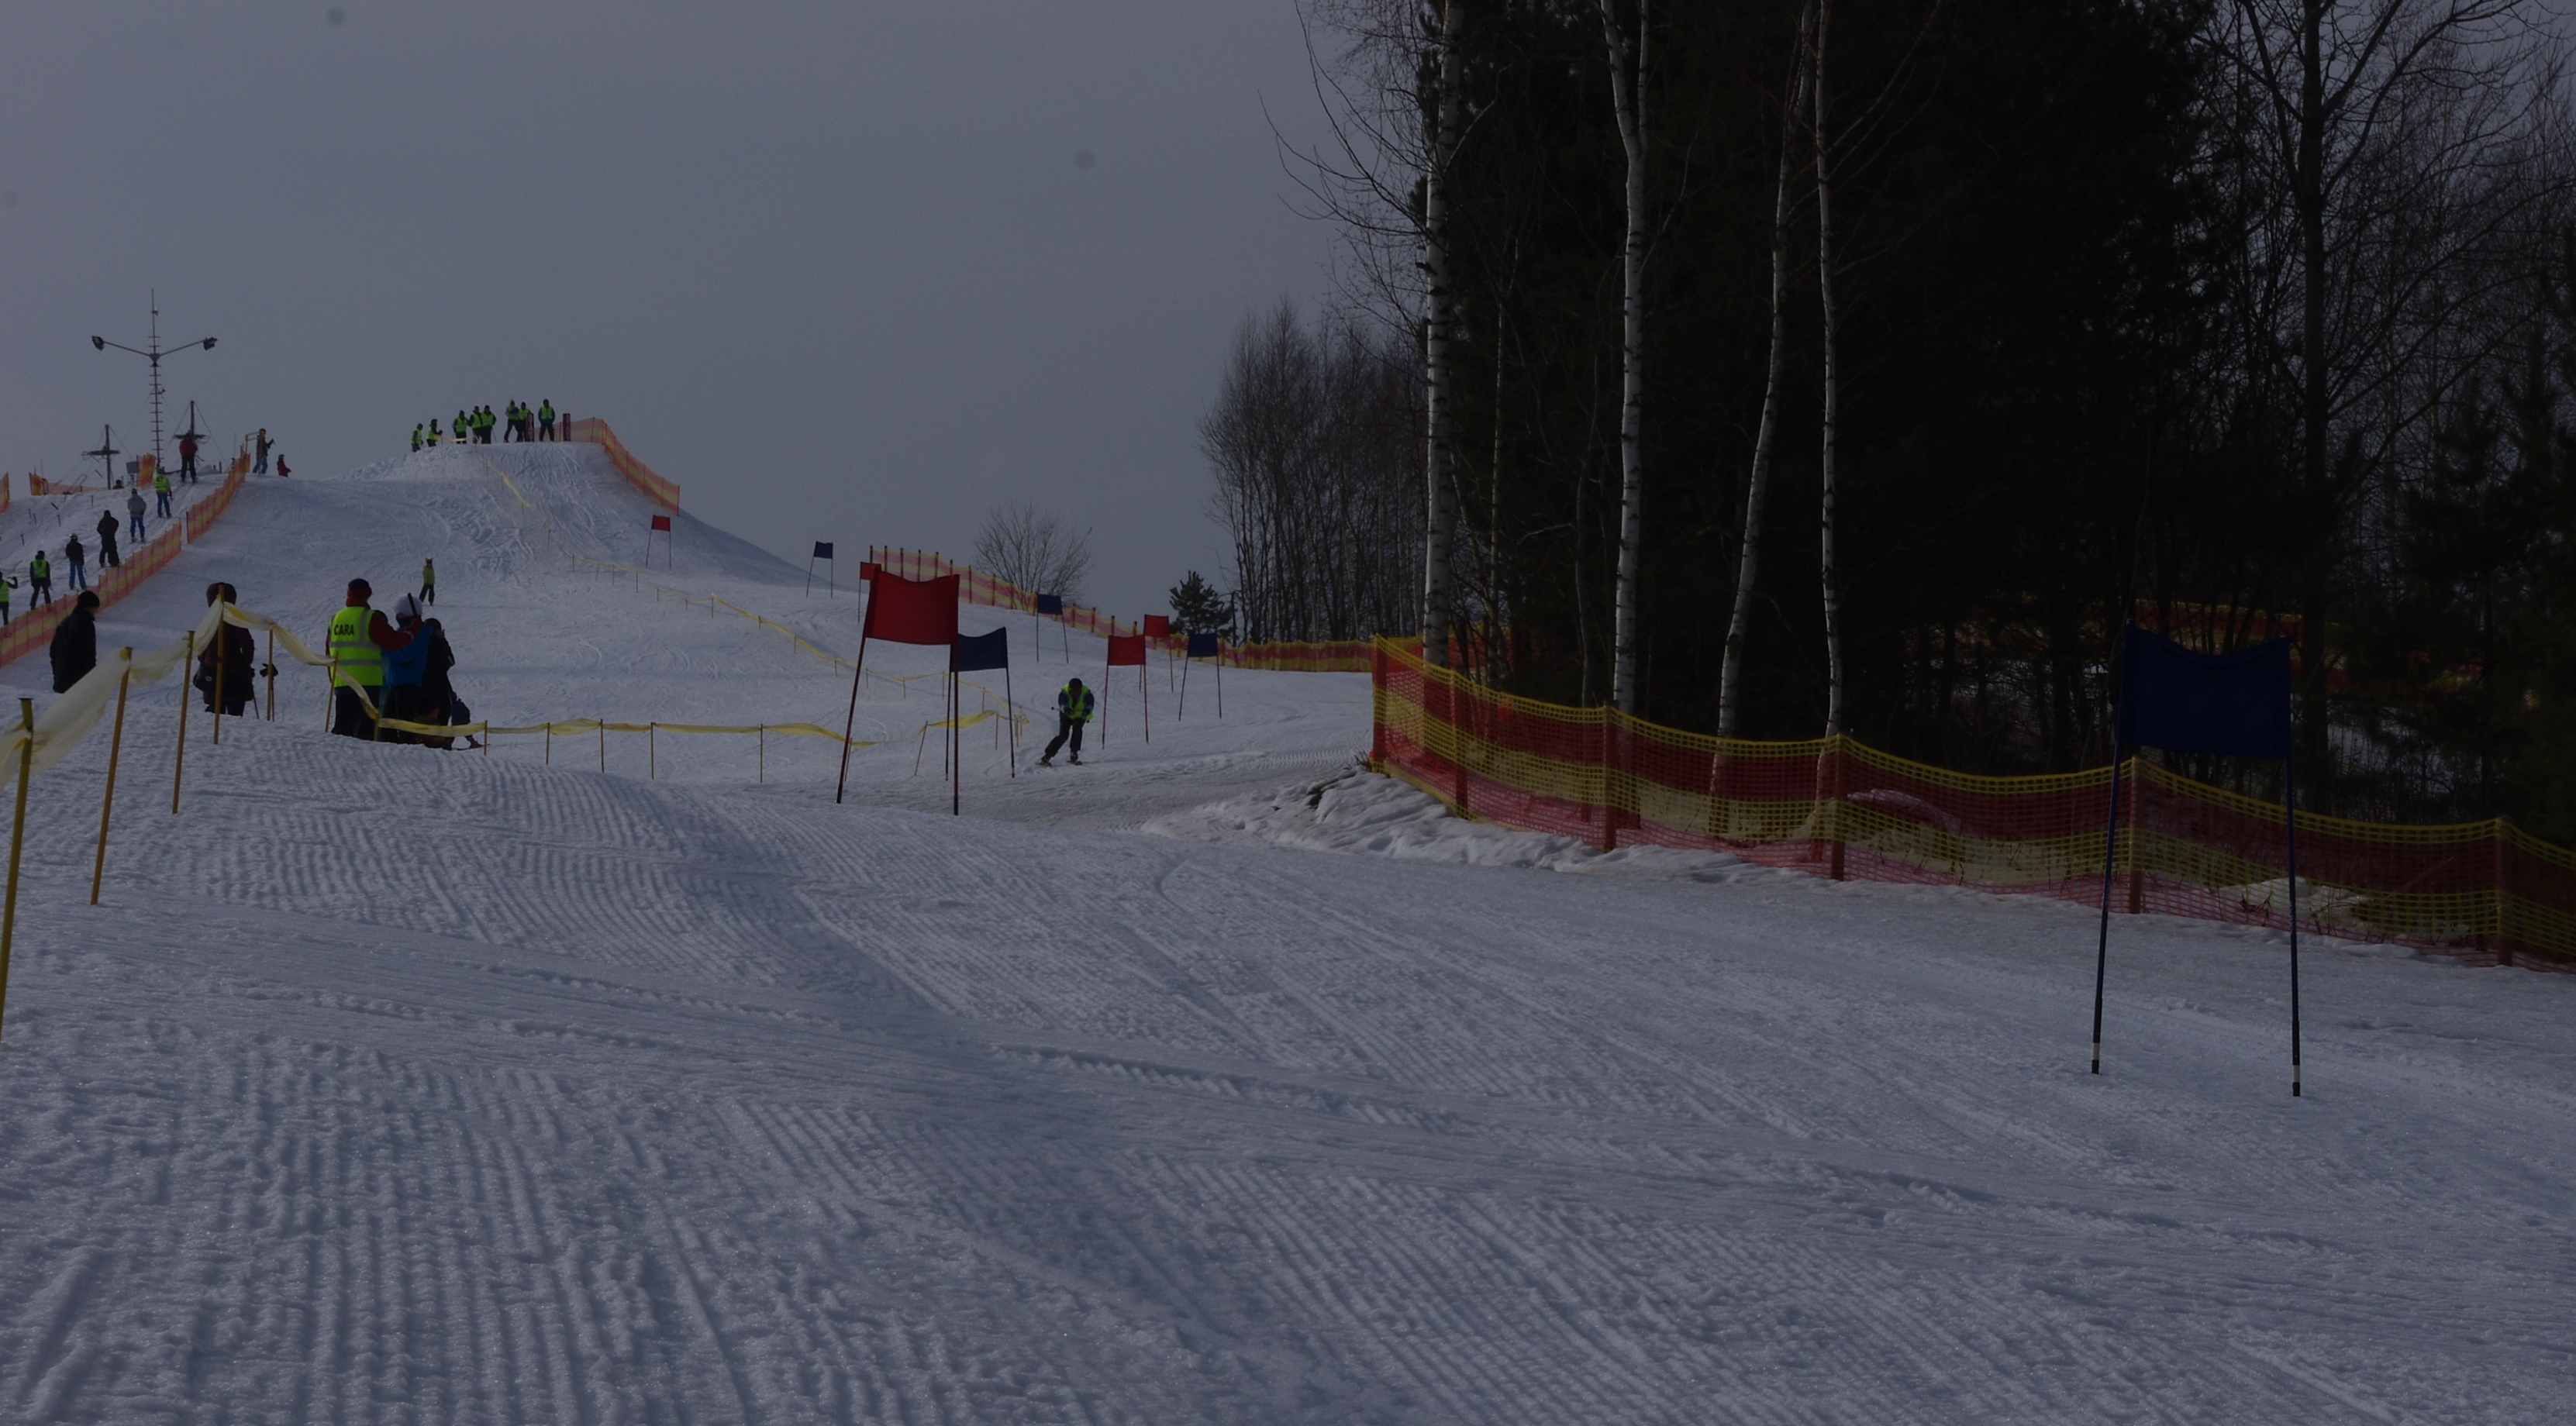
x: 75, y: 648
x: 438, y: 696
x: 236, y: 651
x: 106, y: 540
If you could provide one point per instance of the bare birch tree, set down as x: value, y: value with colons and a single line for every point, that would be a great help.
x: 1038, y: 550
x: 1627, y: 44
x: 1757, y: 484
x: 1823, y: 141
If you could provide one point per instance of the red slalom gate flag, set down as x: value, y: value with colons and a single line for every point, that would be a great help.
x: 913, y: 611
x: 1158, y: 626
x: 870, y: 569
x: 1124, y: 649
x: 661, y: 522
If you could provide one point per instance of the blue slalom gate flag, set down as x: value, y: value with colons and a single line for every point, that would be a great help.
x: 2228, y: 705
x: 2220, y: 705
x: 976, y: 652
x: 822, y: 549
x: 1051, y: 604
x: 1204, y: 646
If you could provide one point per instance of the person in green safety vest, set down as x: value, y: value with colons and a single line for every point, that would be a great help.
x: 435, y: 433
x: 161, y: 491
x: 415, y: 437
x: 461, y: 425
x: 1072, y: 710
x: 359, y: 638
x: 429, y: 581
x: 6, y: 584
x: 40, y: 581
x: 546, y: 420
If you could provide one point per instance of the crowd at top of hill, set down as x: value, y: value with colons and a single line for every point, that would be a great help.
x: 518, y: 422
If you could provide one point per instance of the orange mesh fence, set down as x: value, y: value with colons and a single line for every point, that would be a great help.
x: 35, y: 630
x: 656, y: 489
x: 2480, y: 890
x: 203, y: 514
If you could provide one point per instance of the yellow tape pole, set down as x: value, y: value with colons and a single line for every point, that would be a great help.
x: 180, y: 765
x: 272, y: 673
x: 220, y: 641
x: 603, y: 742
x: 764, y: 752
x: 330, y: 691
x: 17, y: 842
x: 115, y: 745
x: 550, y: 743
x: 652, y: 759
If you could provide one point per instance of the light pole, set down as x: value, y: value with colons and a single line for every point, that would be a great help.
x: 154, y: 355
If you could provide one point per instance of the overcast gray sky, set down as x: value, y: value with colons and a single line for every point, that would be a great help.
x: 834, y: 267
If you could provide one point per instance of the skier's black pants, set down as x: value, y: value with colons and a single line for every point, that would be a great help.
x: 349, y: 714
x: 1067, y: 726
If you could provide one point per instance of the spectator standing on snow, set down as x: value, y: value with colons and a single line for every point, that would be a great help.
x: 228, y: 663
x: 461, y: 425
x: 107, y: 539
x: 73, y: 554
x: 434, y: 433
x: 359, y: 639
x: 40, y: 578
x: 1072, y: 710
x: 6, y: 584
x: 439, y: 703
x: 134, y: 515
x: 188, y: 459
x: 161, y: 491
x: 261, y: 468
x: 415, y: 437
x: 429, y: 581
x: 75, y: 649
x: 404, y: 668
x: 546, y: 420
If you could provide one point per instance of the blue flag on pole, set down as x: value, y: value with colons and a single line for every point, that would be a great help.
x: 1204, y: 646
x: 1051, y: 604
x: 2230, y: 705
x: 822, y: 549
x: 980, y: 651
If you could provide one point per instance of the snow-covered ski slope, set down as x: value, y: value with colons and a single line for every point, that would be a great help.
x: 1218, y: 1084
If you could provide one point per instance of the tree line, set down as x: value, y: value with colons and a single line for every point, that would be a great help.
x: 1789, y: 366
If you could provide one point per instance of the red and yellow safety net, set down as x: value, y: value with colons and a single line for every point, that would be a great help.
x: 2480, y: 890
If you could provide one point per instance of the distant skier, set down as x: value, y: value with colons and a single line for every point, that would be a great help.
x: 360, y: 637
x: 546, y: 420
x: 73, y: 554
x: 262, y: 467
x: 161, y: 491
x: 1072, y: 710
x: 107, y: 539
x: 282, y: 471
x: 40, y: 581
x: 429, y: 581
x: 75, y: 650
x: 134, y: 515
x: 188, y: 459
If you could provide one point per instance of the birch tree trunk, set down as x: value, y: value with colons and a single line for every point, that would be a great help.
x: 1825, y: 295
x: 1758, y: 485
x: 1438, y: 582
x: 1628, y: 95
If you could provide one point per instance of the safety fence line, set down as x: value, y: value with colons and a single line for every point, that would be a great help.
x: 659, y: 490
x: 976, y: 587
x: 35, y: 629
x: 2482, y: 891
x: 903, y: 681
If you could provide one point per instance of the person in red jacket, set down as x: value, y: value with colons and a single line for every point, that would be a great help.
x: 188, y: 460
x: 360, y: 635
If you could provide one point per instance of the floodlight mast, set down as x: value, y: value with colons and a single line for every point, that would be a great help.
x: 153, y: 354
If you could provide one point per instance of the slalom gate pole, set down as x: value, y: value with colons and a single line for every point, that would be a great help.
x: 1220, y: 683
x: 115, y: 745
x: 179, y: 766
x: 1011, y: 713
x: 1184, y: 715
x: 1145, y: 695
x: 17, y: 841
x: 956, y: 740
x: 2290, y: 827
x: 858, y: 669
x: 272, y: 675
x: 2102, y: 948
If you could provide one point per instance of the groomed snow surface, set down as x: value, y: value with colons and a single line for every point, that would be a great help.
x: 1214, y: 1081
